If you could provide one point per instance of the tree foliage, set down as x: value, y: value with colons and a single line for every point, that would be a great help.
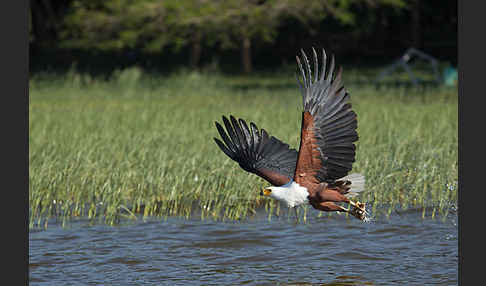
x: 211, y: 26
x: 153, y: 25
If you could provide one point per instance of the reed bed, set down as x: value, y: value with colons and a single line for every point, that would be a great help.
x: 137, y: 144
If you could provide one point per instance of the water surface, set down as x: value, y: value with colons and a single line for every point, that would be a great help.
x: 403, y: 249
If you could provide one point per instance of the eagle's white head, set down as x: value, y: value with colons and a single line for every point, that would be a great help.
x: 291, y: 193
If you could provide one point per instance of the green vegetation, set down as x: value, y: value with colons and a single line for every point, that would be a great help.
x: 244, y: 27
x: 139, y: 143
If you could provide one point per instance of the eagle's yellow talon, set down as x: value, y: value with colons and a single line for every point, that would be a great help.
x: 359, y: 210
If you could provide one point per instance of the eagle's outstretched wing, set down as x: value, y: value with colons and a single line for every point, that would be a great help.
x: 256, y: 151
x: 327, y: 149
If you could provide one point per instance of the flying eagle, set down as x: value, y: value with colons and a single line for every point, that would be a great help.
x: 318, y: 173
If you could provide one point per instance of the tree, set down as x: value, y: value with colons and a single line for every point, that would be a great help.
x: 148, y: 25
x: 115, y: 25
x: 195, y: 25
x: 244, y: 22
x: 241, y: 21
x: 153, y: 25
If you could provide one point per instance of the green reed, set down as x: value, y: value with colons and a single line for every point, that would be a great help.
x: 142, y: 144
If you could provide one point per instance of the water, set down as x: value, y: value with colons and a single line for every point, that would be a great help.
x: 331, y: 250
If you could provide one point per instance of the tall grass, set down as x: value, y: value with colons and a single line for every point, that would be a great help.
x: 136, y: 143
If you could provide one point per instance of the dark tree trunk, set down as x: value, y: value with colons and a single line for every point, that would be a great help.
x: 196, y: 50
x: 246, y: 55
x: 416, y: 27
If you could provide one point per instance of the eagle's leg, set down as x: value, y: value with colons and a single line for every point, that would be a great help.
x: 330, y: 207
x: 325, y: 198
x: 358, y: 210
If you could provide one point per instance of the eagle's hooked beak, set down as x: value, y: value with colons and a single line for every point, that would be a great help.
x: 265, y: 192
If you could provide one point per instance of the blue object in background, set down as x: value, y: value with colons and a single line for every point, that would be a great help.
x: 450, y: 76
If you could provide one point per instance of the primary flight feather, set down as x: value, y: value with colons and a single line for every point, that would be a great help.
x: 318, y: 173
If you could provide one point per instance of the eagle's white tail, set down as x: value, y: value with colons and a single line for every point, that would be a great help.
x: 357, y: 184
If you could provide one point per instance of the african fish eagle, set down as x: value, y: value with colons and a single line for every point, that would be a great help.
x: 318, y: 173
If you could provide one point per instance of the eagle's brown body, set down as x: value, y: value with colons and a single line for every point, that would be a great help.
x: 322, y: 195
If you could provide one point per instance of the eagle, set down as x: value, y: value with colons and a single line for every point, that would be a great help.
x: 318, y: 173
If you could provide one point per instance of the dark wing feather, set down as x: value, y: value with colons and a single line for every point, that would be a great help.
x: 328, y: 124
x: 257, y: 152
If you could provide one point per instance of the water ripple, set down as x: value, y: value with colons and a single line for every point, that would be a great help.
x: 403, y: 250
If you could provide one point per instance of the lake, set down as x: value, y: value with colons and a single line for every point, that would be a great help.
x: 402, y: 249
